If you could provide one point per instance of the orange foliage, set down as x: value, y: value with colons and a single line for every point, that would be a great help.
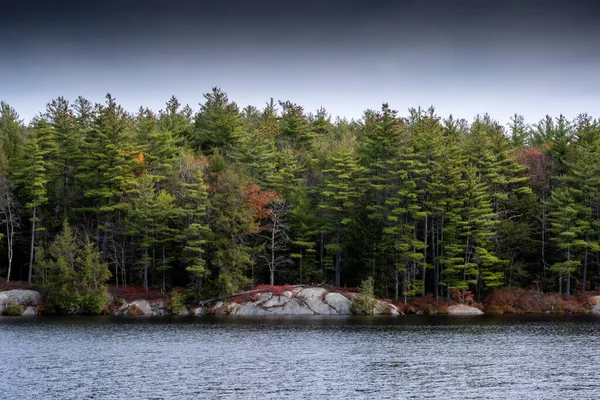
x: 258, y: 200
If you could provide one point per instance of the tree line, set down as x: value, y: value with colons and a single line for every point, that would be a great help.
x: 224, y: 198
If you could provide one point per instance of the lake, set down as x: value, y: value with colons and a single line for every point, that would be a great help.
x: 410, y: 357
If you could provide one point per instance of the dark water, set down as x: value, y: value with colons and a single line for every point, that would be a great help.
x: 301, y: 358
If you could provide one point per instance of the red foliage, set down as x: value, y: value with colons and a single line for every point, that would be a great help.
x: 521, y: 301
x: 258, y: 200
x: 131, y: 293
x: 425, y: 305
x: 537, y: 166
x: 276, y: 290
x: 463, y: 297
x: 13, y: 285
x: 241, y: 299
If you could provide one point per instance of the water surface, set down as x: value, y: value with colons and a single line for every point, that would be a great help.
x: 411, y: 357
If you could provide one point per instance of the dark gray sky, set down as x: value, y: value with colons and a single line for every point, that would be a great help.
x: 463, y: 57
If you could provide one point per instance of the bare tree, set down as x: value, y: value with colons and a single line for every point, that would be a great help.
x: 275, y: 233
x: 9, y: 218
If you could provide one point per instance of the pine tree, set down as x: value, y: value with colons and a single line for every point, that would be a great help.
x: 106, y: 173
x: 73, y: 276
x: 11, y: 136
x: 64, y: 190
x: 193, y: 200
x: 231, y: 222
x: 343, y: 183
x: 33, y: 174
x: 218, y: 123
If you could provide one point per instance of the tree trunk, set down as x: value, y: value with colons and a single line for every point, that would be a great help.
x: 585, y: 265
x: 396, y: 284
x: 33, y: 221
x: 272, y: 265
x: 434, y: 247
x: 338, y: 255
x: 424, y: 259
x: 146, y: 269
x: 300, y: 265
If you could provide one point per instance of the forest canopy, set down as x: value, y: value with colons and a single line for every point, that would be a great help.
x: 224, y: 198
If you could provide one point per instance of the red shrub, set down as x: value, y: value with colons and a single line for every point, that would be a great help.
x: 276, y: 290
x: 521, y: 301
x: 131, y: 293
x: 426, y: 305
x: 241, y: 299
x: 13, y: 285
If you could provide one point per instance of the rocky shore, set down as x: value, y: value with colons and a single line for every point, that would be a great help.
x: 297, y: 300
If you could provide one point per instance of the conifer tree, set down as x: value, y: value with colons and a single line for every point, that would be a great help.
x: 218, y: 123
x: 343, y: 186
x: 33, y: 174
x: 11, y: 135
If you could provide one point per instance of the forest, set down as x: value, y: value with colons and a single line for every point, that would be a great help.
x: 222, y: 198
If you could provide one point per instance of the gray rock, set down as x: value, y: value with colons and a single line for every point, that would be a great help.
x: 339, y: 302
x: 384, y: 308
x: 313, y: 299
x: 463, y: 310
x: 142, y: 305
x: 275, y: 301
x: 25, y: 298
x: 294, y: 307
x: 288, y: 294
x: 199, y: 311
x: 30, y: 311
x: 250, y: 308
x: 596, y: 309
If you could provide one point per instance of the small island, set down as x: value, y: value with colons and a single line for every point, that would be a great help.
x: 176, y: 211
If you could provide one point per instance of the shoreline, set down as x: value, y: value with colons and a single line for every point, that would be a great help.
x: 297, y: 300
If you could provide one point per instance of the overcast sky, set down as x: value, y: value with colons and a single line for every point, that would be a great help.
x: 463, y: 57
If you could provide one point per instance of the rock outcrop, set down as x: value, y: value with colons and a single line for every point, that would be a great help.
x: 302, y: 301
x: 142, y: 307
x: 461, y: 309
x: 27, y: 300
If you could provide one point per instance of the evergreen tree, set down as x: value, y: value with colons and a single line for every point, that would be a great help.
x: 193, y: 200
x: 11, y: 135
x: 73, y: 278
x: 342, y: 181
x: 33, y: 174
x: 218, y: 123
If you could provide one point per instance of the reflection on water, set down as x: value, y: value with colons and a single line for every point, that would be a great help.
x: 412, y: 357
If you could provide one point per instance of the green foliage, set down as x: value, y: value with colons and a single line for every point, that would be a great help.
x: 178, y: 301
x: 419, y: 203
x: 73, y: 277
x: 365, y: 302
x: 218, y: 124
x: 13, y: 309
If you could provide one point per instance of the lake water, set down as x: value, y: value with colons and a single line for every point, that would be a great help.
x: 411, y: 357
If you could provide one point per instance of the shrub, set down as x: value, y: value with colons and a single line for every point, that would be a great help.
x: 241, y: 299
x: 521, y: 301
x: 178, y: 301
x: 134, y: 310
x: 365, y: 302
x: 131, y: 293
x: 276, y: 290
x: 426, y: 305
x: 93, y: 302
x: 13, y: 309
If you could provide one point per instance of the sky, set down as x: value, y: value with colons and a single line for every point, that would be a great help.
x: 462, y: 57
